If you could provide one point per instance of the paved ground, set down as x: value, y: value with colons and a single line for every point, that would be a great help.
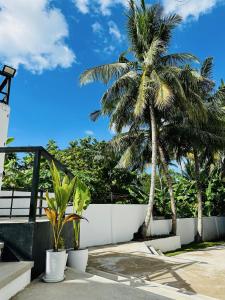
x: 84, y: 286
x: 197, y: 272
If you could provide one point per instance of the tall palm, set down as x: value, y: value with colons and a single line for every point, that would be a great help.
x: 145, y: 85
x: 136, y: 151
x: 203, y: 137
x: 214, y: 127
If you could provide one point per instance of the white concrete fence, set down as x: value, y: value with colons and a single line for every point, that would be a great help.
x: 115, y: 223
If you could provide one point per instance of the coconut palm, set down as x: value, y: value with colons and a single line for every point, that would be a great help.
x: 200, y: 140
x: 148, y: 83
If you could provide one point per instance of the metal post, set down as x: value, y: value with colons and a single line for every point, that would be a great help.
x: 34, y: 188
x: 11, y: 206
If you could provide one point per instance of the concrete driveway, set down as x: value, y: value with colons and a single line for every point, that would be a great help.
x: 201, y: 272
x: 84, y: 286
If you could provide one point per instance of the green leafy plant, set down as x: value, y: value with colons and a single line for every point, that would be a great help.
x: 10, y: 140
x: 81, y: 200
x: 56, y: 210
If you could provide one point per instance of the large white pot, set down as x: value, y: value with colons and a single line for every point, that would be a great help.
x: 66, y: 257
x: 78, y: 259
x: 55, y: 265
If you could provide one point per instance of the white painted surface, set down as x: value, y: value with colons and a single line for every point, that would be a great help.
x: 4, y: 123
x: 187, y: 229
x: 115, y: 223
x: 126, y: 219
x: 165, y: 244
x: 15, y: 286
x: 160, y: 227
x: 77, y: 259
x: 98, y: 231
x: 55, y: 266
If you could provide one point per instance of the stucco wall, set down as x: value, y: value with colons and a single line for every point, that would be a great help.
x: 117, y: 223
x: 111, y: 223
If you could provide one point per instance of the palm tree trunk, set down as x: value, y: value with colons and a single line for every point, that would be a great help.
x: 170, y: 188
x: 199, y: 236
x: 153, y: 172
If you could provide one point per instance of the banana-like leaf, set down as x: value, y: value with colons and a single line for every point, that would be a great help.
x: 51, y: 215
x: 64, y: 189
x: 82, y: 197
x: 73, y: 217
x: 9, y: 140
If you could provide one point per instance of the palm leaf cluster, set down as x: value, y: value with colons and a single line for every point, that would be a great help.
x: 168, y: 107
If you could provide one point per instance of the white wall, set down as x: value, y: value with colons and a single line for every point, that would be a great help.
x: 117, y: 223
x: 4, y: 123
x: 111, y: 223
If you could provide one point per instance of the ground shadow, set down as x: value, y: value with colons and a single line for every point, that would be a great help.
x: 142, y: 267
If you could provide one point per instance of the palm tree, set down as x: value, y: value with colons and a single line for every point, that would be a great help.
x: 214, y: 128
x: 145, y: 85
x: 203, y: 137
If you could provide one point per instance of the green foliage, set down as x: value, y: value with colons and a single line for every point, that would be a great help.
x: 185, y: 196
x: 92, y: 161
x: 81, y: 200
x: 64, y: 189
x: 194, y: 247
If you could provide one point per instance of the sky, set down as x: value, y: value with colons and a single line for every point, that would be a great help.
x: 51, y: 42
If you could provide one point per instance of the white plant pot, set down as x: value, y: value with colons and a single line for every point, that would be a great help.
x: 78, y: 259
x: 55, y: 266
x: 66, y: 257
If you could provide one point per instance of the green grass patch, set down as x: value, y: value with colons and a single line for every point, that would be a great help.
x: 194, y: 247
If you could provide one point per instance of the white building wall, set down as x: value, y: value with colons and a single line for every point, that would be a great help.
x: 126, y: 219
x: 186, y: 229
x: 4, y: 123
x: 115, y: 223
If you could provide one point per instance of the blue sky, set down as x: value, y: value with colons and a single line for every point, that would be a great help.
x: 52, y: 42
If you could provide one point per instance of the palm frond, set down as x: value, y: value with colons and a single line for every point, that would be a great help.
x: 142, y: 95
x: 164, y: 94
x: 157, y: 47
x: 178, y: 58
x: 105, y: 73
x: 95, y: 115
x: 207, y: 66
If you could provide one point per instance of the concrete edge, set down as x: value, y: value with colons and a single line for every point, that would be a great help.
x: 22, y: 267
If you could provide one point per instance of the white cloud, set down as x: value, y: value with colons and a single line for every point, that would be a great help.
x: 82, y: 5
x: 89, y: 132
x: 102, y: 6
x: 33, y: 35
x: 97, y: 28
x: 109, y: 49
x: 114, y: 31
x: 190, y: 9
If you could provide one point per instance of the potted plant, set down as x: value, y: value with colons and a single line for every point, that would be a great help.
x: 56, y: 213
x: 78, y: 258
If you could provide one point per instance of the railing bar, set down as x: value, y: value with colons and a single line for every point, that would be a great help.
x: 15, y: 197
x: 11, y: 203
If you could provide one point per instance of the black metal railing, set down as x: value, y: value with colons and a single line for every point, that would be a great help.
x: 13, y: 197
x: 34, y: 192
